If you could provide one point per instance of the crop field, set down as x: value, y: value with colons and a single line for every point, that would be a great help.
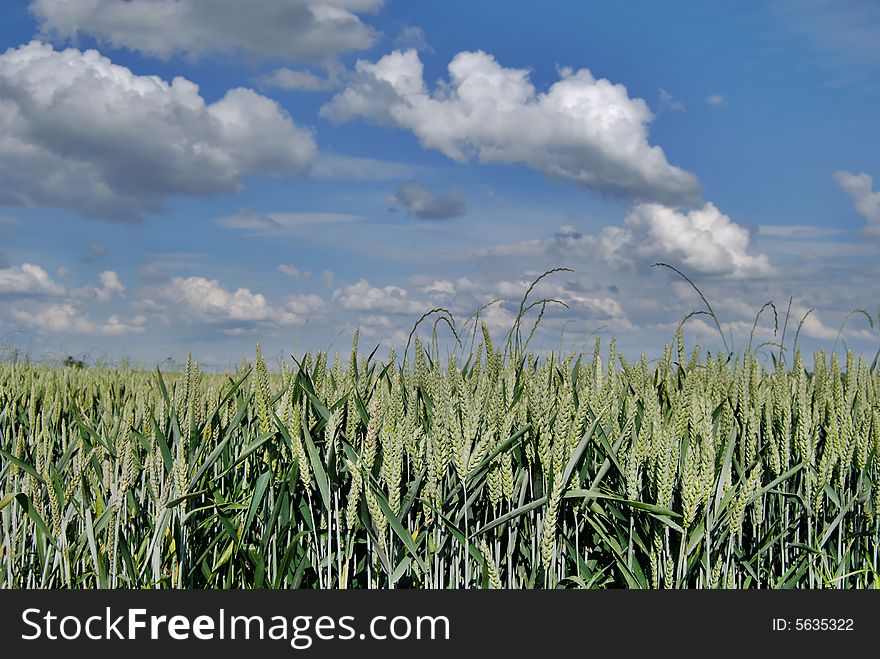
x: 495, y: 469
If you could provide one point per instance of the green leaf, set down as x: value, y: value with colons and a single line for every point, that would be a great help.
x: 22, y: 465
x: 522, y: 510
x: 593, y: 494
x: 253, y: 446
x: 317, y: 469
x: 5, y: 501
x: 399, y: 529
x: 581, y: 447
x: 256, y: 498
x: 28, y: 507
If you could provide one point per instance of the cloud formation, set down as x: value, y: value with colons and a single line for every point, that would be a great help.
x: 110, y: 286
x: 582, y: 129
x: 28, y: 280
x: 202, y: 300
x: 363, y: 296
x: 860, y: 188
x: 78, y: 131
x: 702, y: 239
x: 66, y: 318
x: 292, y: 30
x: 420, y: 201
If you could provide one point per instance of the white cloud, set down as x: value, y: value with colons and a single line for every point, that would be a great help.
x: 209, y: 300
x: 362, y: 296
x: 440, y: 288
x: 814, y: 327
x: 383, y: 330
x: 80, y: 132
x: 276, y: 224
x: 110, y: 286
x: 860, y: 188
x: 115, y: 325
x: 203, y: 300
x: 424, y: 203
x: 286, y: 29
x: 289, y: 270
x: 585, y: 130
x: 28, y: 279
x: 66, y: 318
x: 715, y: 99
x: 497, y: 318
x: 703, y: 239
x: 302, y: 307
x: 599, y: 307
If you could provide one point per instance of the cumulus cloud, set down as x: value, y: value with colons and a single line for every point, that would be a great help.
x: 715, y: 99
x: 289, y: 270
x: 584, y: 130
x: 860, y: 188
x: 812, y: 325
x: 422, y: 202
x: 28, y: 280
x: 703, y: 239
x: 110, y: 286
x: 80, y: 132
x: 202, y: 300
x: 363, y: 296
x: 598, y: 306
x: 66, y: 318
x: 293, y: 30
x: 441, y: 288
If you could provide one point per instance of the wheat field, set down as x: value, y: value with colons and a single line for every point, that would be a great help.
x: 491, y: 469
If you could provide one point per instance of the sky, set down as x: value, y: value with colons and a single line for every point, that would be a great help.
x: 198, y: 176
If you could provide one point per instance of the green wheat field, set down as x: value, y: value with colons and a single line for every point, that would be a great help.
x: 485, y: 468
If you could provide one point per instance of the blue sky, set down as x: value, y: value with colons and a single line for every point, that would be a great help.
x: 199, y: 176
